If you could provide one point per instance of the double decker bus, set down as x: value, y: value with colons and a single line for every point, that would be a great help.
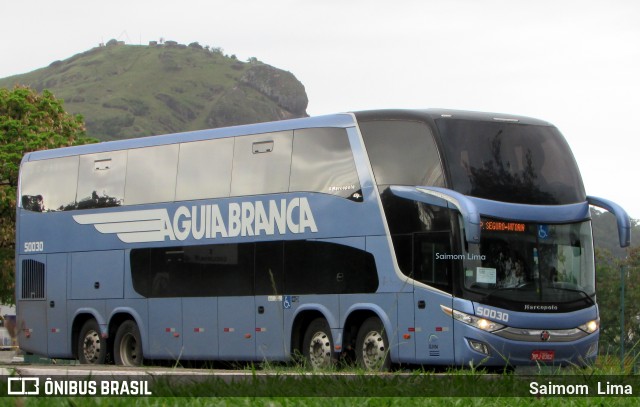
x: 430, y: 237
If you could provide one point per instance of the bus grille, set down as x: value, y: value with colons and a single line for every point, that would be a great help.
x: 32, y: 280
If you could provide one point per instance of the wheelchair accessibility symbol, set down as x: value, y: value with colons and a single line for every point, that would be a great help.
x: 543, y: 231
x: 286, y: 301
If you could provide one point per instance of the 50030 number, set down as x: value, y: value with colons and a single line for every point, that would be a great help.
x: 30, y: 247
x: 493, y: 314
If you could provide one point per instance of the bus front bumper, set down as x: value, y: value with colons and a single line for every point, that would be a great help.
x: 479, y: 348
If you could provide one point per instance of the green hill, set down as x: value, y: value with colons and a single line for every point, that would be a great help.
x: 125, y: 91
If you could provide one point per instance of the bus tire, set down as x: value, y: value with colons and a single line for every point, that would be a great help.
x: 92, y: 348
x: 127, y: 347
x: 372, y: 346
x: 317, y: 345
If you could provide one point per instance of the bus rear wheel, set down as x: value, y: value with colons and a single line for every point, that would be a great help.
x: 127, y: 350
x: 92, y: 349
x: 372, y: 346
x: 317, y: 345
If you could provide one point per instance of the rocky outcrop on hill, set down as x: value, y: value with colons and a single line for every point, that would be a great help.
x: 279, y: 86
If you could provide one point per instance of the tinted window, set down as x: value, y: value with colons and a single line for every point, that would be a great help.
x: 407, y: 216
x: 193, y: 271
x: 421, y: 239
x: 49, y: 185
x: 402, y: 153
x: 204, y: 169
x: 310, y: 267
x: 510, y: 162
x: 151, y: 174
x: 261, y: 164
x: 101, y: 180
x: 313, y: 267
x: 269, y: 272
x: 432, y: 260
x: 322, y: 162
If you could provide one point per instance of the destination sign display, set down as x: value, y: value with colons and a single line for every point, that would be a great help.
x: 499, y: 226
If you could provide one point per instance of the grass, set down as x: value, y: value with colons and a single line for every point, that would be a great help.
x: 288, y: 386
x: 334, y: 402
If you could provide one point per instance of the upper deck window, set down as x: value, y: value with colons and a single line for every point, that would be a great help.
x: 312, y: 160
x: 204, y: 169
x: 101, y: 180
x: 151, y: 174
x: 261, y: 164
x: 510, y: 162
x: 323, y: 162
x: 402, y: 152
x: 49, y: 185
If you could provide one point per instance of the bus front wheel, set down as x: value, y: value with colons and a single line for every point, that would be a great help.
x: 317, y: 345
x: 92, y: 348
x: 127, y: 350
x: 372, y: 346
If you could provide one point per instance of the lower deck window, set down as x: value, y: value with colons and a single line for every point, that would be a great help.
x: 245, y: 269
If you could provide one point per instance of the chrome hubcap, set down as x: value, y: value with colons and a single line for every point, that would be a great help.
x: 373, y: 350
x: 320, y: 350
x: 92, y: 347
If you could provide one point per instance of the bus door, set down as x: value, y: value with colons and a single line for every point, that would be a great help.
x: 58, y: 334
x: 433, y: 266
x: 234, y: 268
x: 269, y: 306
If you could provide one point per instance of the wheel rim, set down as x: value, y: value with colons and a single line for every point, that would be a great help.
x: 92, y: 347
x: 129, y: 351
x: 320, y: 350
x: 373, y: 350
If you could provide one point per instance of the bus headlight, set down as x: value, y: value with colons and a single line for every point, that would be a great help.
x: 591, y: 326
x: 480, y: 323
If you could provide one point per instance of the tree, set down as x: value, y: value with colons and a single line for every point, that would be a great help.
x: 608, y: 296
x: 608, y: 282
x: 632, y: 295
x: 28, y: 122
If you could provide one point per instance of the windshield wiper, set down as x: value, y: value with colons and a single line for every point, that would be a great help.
x: 576, y: 290
x: 523, y: 286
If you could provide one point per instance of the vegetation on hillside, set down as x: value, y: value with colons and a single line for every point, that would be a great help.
x: 127, y: 91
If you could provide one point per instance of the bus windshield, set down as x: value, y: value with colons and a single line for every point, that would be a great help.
x: 532, y: 267
x: 510, y: 162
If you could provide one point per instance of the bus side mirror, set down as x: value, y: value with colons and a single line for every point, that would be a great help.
x: 624, y: 223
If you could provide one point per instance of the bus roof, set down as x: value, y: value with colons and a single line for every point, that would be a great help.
x: 342, y: 120
x: 438, y: 113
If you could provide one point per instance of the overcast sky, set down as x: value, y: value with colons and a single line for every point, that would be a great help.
x: 573, y: 63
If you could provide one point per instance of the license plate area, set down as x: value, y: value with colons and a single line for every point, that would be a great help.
x: 543, y: 355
